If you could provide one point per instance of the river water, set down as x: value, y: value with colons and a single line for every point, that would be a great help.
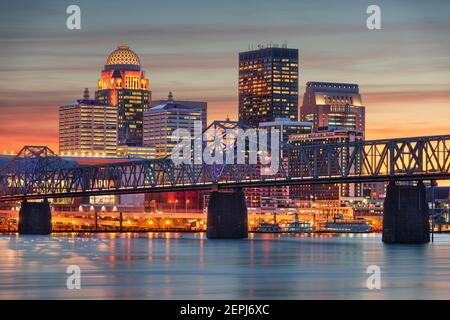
x: 189, y: 266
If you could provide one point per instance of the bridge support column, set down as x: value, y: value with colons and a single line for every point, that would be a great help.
x: 227, y: 215
x: 406, y: 216
x: 35, y: 218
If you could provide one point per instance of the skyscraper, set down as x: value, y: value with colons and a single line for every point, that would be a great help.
x: 123, y: 85
x: 327, y: 104
x: 268, y: 85
x: 88, y: 127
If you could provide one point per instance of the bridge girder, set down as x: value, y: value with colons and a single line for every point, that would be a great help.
x: 37, y: 172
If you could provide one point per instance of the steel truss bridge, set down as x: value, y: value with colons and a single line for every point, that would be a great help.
x: 36, y: 172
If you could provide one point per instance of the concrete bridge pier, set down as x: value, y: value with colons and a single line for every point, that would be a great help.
x: 227, y: 215
x: 35, y: 218
x: 406, y: 214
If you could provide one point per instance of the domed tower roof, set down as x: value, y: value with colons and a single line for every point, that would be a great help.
x: 123, y: 58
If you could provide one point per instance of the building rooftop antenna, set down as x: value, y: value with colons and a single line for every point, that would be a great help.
x: 86, y: 94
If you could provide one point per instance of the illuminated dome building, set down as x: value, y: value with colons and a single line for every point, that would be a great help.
x: 123, y: 85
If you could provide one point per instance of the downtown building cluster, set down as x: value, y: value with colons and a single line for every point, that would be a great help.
x: 330, y: 113
x: 122, y: 121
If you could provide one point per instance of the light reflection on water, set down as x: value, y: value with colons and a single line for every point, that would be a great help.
x: 189, y: 266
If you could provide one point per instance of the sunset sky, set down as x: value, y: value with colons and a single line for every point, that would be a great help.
x: 191, y: 48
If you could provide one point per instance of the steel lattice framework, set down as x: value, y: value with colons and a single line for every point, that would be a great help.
x: 37, y: 172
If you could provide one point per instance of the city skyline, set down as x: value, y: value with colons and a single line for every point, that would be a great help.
x: 197, y: 62
x: 225, y: 158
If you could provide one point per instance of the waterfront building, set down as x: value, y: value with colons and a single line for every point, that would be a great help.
x: 337, y: 193
x: 123, y: 85
x: 88, y: 128
x: 268, y: 85
x: 162, y: 120
x: 328, y: 104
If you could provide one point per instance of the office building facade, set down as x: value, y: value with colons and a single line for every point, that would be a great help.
x: 336, y: 193
x: 203, y: 105
x: 328, y: 104
x: 140, y: 152
x: 124, y: 86
x: 268, y: 85
x: 88, y: 128
x: 277, y: 196
x: 287, y: 127
x: 162, y: 120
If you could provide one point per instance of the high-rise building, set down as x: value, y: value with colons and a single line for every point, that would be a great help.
x: 124, y: 86
x: 88, y: 127
x: 190, y: 103
x: 277, y: 196
x: 337, y: 193
x: 327, y: 104
x: 268, y: 85
x: 161, y: 120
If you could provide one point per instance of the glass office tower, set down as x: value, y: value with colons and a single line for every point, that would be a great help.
x: 268, y: 85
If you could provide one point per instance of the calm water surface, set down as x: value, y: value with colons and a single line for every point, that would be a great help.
x: 189, y: 266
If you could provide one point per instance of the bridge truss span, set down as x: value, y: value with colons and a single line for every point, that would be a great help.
x: 37, y: 172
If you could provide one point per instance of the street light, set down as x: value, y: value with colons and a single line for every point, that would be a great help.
x: 187, y: 202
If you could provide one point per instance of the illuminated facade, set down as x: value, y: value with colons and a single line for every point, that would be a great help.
x: 160, y: 122
x: 124, y: 151
x: 287, y: 127
x: 328, y: 104
x: 88, y: 128
x: 326, y: 192
x: 277, y: 196
x: 268, y: 85
x: 124, y: 86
